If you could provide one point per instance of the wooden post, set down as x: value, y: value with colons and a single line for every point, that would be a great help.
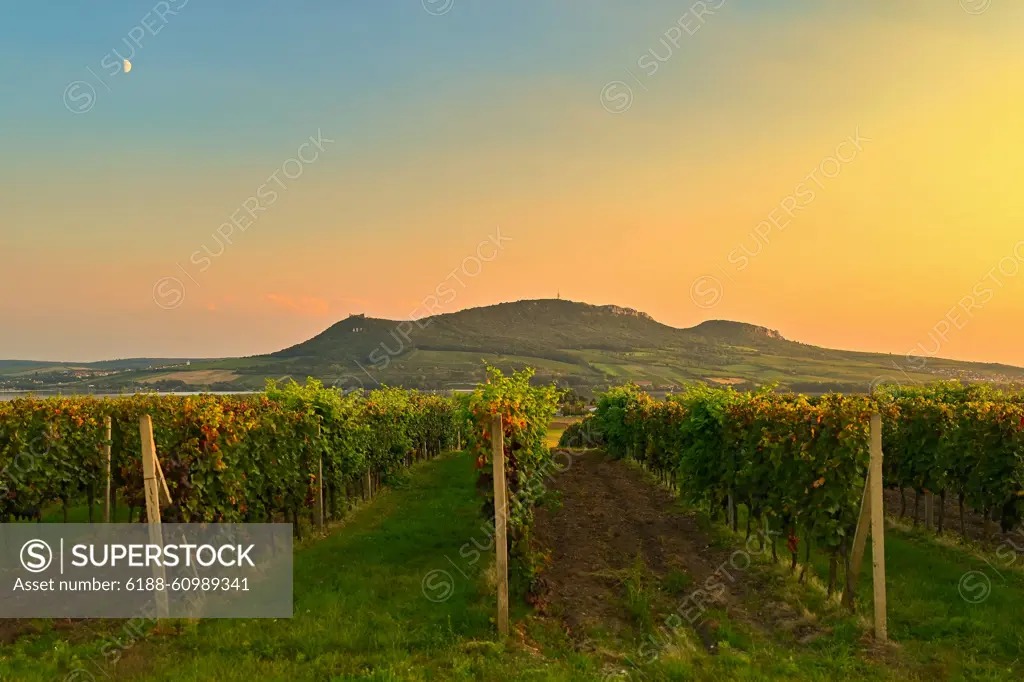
x: 321, y: 518
x: 500, y: 517
x: 860, y: 541
x: 369, y: 486
x: 106, y: 450
x: 320, y: 495
x: 459, y: 436
x: 928, y: 520
x: 878, y: 528
x: 152, y: 487
x: 164, y: 496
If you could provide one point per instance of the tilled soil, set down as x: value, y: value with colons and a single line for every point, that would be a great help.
x: 610, y: 513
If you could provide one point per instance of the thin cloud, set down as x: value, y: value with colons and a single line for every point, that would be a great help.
x: 305, y: 306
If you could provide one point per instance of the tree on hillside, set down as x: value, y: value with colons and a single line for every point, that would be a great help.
x: 572, y: 403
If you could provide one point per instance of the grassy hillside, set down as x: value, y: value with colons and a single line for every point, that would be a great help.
x: 590, y: 346
x: 575, y: 344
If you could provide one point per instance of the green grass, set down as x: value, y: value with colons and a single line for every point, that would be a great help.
x: 936, y: 625
x: 80, y: 514
x: 360, y: 609
x: 556, y: 428
x: 552, y: 437
x: 363, y: 612
x: 939, y: 634
x: 639, y: 594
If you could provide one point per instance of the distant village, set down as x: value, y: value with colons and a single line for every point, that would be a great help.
x: 53, y: 379
x: 50, y: 379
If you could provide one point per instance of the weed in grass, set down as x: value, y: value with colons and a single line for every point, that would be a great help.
x: 640, y: 589
x: 552, y: 500
x: 676, y: 582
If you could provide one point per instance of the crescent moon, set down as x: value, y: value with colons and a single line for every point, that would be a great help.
x: 127, y: 66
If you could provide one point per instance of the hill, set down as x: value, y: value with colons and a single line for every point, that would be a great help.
x: 576, y: 344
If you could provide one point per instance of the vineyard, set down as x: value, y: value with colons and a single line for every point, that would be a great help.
x: 962, y: 442
x: 225, y: 459
x: 610, y: 543
x: 798, y: 464
x: 524, y: 412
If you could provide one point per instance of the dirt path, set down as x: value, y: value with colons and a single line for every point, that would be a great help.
x: 612, y: 512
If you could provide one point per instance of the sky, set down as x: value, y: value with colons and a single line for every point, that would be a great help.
x: 845, y: 173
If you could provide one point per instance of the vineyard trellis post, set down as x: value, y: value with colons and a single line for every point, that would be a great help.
x: 878, y: 528
x: 500, y: 517
x: 320, y: 484
x: 109, y: 423
x: 320, y: 494
x: 872, y: 519
x: 860, y: 541
x: 152, y: 481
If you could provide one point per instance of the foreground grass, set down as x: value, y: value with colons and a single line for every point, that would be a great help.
x: 952, y: 613
x: 394, y: 595
x: 362, y: 610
